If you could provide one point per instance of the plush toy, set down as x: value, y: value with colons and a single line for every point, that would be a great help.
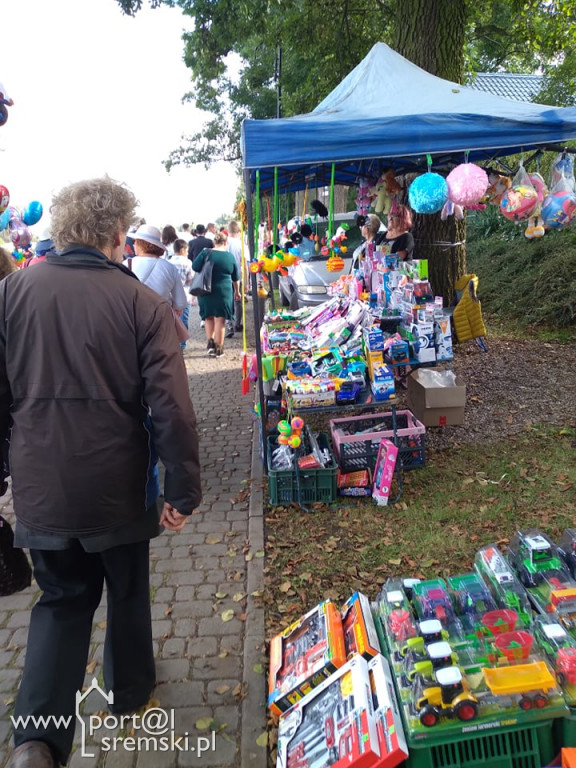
x: 498, y: 187
x: 428, y: 193
x: 363, y: 198
x: 450, y: 208
x: 467, y: 184
x: 384, y: 191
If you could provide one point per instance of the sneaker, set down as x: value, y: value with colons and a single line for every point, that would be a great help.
x: 211, y: 344
x: 239, y: 327
x: 219, y: 351
x: 201, y: 323
x: 230, y: 333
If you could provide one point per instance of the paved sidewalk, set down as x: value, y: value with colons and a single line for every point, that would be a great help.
x: 208, y: 628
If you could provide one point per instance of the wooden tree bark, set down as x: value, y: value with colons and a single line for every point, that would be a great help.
x: 431, y: 34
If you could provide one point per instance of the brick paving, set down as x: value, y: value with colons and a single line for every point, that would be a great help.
x: 208, y: 628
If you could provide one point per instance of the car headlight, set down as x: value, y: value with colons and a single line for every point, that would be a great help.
x: 307, y: 289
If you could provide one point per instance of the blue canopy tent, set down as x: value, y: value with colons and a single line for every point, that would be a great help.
x: 389, y: 113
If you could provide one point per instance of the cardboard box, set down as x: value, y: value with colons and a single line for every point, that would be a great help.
x: 360, y: 635
x: 334, y: 724
x: 393, y: 747
x: 432, y: 403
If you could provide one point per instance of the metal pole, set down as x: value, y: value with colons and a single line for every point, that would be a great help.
x: 257, y: 319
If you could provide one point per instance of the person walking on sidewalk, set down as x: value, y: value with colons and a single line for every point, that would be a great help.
x: 235, y: 248
x: 184, y: 267
x: 87, y: 354
x: 218, y: 306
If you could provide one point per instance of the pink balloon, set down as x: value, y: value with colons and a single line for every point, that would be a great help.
x: 4, y: 198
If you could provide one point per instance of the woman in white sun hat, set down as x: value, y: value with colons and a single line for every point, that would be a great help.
x: 155, y: 272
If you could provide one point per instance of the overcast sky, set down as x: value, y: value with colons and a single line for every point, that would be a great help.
x: 97, y: 92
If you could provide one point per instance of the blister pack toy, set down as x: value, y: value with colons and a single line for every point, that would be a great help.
x: 503, y: 583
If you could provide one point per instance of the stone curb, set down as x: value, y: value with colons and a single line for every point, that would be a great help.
x: 254, y: 683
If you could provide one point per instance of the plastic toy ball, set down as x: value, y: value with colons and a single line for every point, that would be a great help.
x: 294, y: 441
x: 4, y: 199
x: 32, y: 213
x: 284, y: 427
x: 428, y: 193
x: 297, y: 423
x: 467, y: 184
x: 558, y: 209
x: 518, y: 202
x: 283, y: 440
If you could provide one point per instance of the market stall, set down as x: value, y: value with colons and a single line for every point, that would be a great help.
x: 354, y: 135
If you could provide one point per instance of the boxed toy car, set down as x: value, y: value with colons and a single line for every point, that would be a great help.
x: 360, y: 634
x: 424, y: 332
x: 393, y: 747
x: 437, y: 398
x: 334, y: 724
x: 304, y: 654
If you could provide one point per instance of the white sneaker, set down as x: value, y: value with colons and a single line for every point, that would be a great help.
x: 201, y: 323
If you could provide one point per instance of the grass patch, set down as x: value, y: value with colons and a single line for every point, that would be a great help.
x: 465, y: 498
x: 528, y: 282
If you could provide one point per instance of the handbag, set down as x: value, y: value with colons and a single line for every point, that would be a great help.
x: 182, y: 333
x: 15, y: 571
x: 202, y: 281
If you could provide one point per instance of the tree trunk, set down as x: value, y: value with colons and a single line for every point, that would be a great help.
x: 431, y: 34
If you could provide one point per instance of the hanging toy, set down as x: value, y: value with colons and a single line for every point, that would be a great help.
x: 521, y: 199
x: 363, y: 198
x: 335, y: 264
x: 467, y: 184
x: 5, y: 101
x: 428, y: 193
x: 535, y: 226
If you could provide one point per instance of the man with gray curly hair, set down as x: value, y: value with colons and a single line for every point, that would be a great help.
x: 89, y: 367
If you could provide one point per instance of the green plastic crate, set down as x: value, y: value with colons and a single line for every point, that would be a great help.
x: 528, y: 747
x: 565, y: 731
x: 315, y: 484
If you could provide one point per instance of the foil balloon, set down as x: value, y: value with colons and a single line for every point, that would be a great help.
x: 19, y: 234
x: 32, y: 213
x: 4, y: 219
x: 4, y: 199
x: 428, y: 193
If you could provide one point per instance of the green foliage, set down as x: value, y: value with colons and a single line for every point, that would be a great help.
x: 234, y: 52
x: 532, y: 282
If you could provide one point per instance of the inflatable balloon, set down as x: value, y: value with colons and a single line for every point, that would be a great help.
x: 32, y: 213
x: 4, y: 219
x: 519, y: 202
x: 428, y: 193
x: 558, y: 209
x: 19, y: 234
x: 4, y: 199
x: 467, y: 184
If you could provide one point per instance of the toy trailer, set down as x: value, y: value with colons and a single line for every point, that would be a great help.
x: 522, y: 679
x: 564, y: 603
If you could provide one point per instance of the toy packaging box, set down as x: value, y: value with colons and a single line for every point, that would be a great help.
x: 384, y: 472
x: 304, y: 654
x: 443, y: 338
x: 334, y: 725
x: 437, y: 398
x: 393, y: 747
x: 360, y: 634
x: 357, y: 483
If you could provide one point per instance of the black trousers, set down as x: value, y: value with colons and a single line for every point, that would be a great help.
x: 72, y: 581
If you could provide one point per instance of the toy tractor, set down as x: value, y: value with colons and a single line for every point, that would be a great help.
x: 450, y: 698
x: 435, y: 656
x: 534, y: 556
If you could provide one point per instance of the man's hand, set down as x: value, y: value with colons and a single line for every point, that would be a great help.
x: 171, y: 519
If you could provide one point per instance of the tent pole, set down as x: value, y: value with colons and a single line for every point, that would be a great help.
x: 257, y: 319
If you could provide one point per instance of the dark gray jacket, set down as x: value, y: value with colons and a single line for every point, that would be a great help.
x: 85, y: 350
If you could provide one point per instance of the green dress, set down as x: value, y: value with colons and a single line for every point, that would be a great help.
x: 219, y: 303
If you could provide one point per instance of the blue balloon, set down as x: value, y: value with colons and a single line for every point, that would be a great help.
x: 428, y: 193
x: 4, y: 219
x: 32, y: 213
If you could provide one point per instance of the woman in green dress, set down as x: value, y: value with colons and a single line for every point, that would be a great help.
x: 218, y: 306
